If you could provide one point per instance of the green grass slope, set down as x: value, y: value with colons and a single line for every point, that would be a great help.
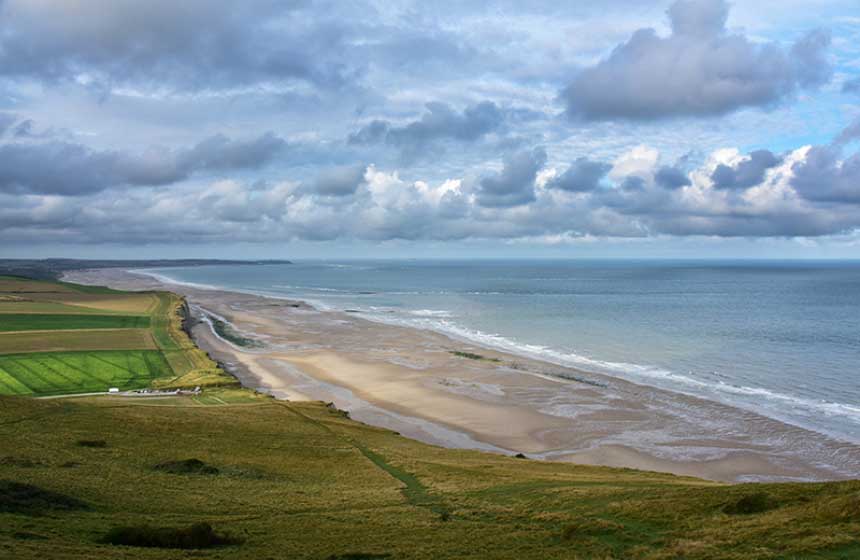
x: 258, y: 479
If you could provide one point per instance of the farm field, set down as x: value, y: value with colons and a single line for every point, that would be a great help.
x: 302, y: 480
x: 60, y: 338
x: 52, y: 373
x: 10, y: 322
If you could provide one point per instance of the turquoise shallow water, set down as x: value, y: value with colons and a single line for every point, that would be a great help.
x: 779, y: 338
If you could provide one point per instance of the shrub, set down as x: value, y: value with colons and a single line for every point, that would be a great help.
x: 17, y: 497
x: 590, y: 528
x: 198, y: 535
x: 751, y: 503
x: 186, y: 466
x: 473, y: 356
x: 99, y: 443
x: 20, y: 462
x: 357, y: 556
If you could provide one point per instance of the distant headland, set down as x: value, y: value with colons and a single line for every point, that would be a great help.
x: 52, y: 269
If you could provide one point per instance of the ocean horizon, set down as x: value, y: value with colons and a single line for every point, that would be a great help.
x: 776, y: 337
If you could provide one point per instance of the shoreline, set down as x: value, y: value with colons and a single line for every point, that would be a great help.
x: 408, y: 380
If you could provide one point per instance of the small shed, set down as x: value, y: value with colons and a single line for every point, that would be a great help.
x: 113, y: 390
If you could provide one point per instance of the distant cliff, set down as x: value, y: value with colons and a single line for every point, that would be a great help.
x: 53, y: 268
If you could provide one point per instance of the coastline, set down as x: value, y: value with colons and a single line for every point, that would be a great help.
x: 408, y: 380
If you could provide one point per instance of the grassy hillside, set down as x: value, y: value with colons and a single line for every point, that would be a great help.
x: 59, y: 338
x: 301, y: 480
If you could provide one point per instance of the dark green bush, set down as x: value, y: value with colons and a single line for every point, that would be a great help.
x: 17, y: 497
x: 186, y: 466
x: 98, y: 443
x: 198, y: 535
x: 358, y: 556
x: 751, y: 503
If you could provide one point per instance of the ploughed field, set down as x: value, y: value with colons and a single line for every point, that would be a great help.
x: 58, y: 338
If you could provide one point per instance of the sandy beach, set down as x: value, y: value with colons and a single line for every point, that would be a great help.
x: 412, y: 381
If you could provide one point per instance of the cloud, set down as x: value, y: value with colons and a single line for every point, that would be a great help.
x: 58, y: 167
x: 583, y: 175
x: 672, y: 177
x: 340, y: 181
x: 439, y: 122
x: 748, y: 172
x: 851, y: 86
x: 848, y: 134
x: 219, y: 152
x: 6, y: 122
x: 822, y: 176
x: 811, y: 191
x: 515, y: 185
x: 699, y: 70
x: 169, y: 45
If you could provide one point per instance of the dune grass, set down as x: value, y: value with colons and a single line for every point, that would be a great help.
x: 300, y: 480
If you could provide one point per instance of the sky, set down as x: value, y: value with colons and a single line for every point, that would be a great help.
x: 445, y: 129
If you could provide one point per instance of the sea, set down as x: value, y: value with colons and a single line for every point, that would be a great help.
x: 780, y: 338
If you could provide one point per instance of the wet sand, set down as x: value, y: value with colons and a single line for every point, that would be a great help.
x: 409, y: 380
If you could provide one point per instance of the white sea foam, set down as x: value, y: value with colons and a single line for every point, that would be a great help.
x: 430, y: 313
x: 169, y: 280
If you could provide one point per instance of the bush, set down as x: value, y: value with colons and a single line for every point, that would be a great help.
x: 357, y: 556
x: 751, y: 503
x: 186, y: 466
x: 198, y: 535
x: 590, y: 528
x: 20, y: 462
x: 16, y: 497
x: 98, y: 443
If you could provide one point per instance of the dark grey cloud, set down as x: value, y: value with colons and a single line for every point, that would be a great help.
x: 672, y: 177
x: 340, y: 181
x: 58, y: 167
x: 699, y: 70
x: 747, y: 173
x: 219, y: 152
x: 515, y: 185
x: 851, y: 86
x: 6, y: 122
x: 24, y: 129
x: 439, y: 122
x: 583, y: 175
x: 823, y: 177
x: 165, y: 44
x: 848, y: 134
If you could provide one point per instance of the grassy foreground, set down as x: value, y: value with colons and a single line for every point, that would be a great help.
x: 267, y: 479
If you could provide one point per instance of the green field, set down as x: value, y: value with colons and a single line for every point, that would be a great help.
x: 53, y: 373
x: 59, y: 338
x: 44, y: 321
x: 301, y: 480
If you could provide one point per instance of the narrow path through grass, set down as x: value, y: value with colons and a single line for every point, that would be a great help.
x: 416, y: 493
